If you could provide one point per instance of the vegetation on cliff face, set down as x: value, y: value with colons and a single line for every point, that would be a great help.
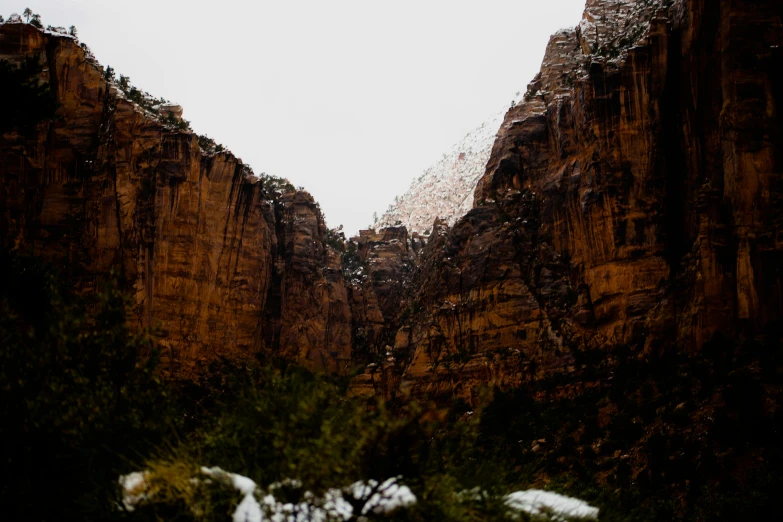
x: 38, y: 103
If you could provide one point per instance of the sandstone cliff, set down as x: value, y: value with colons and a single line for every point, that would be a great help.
x: 618, y: 277
x: 632, y: 200
x: 617, y: 284
x: 217, y: 261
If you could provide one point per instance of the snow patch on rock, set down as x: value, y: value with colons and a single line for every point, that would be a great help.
x: 445, y: 190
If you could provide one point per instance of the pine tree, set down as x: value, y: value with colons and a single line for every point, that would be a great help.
x: 27, y: 13
x: 109, y: 74
x: 2, y: 20
x: 35, y: 21
x: 72, y: 31
x: 124, y: 83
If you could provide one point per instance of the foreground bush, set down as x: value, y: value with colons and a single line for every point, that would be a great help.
x: 79, y: 399
x: 81, y: 404
x: 287, y: 424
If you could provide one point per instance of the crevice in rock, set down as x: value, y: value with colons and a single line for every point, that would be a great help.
x: 671, y: 160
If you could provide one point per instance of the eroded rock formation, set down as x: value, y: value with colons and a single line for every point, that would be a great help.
x: 218, y: 263
x: 632, y: 200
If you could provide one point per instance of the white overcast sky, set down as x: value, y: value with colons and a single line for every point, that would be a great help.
x: 350, y: 99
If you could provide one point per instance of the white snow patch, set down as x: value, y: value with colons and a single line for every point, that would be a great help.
x: 373, y: 497
x: 537, y: 502
x: 445, y: 189
x: 134, y: 486
x: 248, y: 509
x: 58, y: 34
x: 383, y: 498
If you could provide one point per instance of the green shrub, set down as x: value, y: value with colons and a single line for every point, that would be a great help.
x: 79, y: 397
x: 286, y: 423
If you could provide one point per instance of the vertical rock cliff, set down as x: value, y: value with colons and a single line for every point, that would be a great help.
x: 218, y: 263
x: 632, y: 200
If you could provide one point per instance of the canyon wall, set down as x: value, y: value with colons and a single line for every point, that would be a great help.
x: 217, y: 263
x: 632, y: 200
x: 617, y: 286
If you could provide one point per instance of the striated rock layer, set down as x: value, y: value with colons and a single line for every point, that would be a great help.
x: 218, y: 263
x: 633, y: 200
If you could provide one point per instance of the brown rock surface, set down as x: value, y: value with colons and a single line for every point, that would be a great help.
x: 621, y: 268
x: 379, y: 266
x: 220, y: 265
x: 632, y: 200
x: 389, y: 255
x: 315, y: 315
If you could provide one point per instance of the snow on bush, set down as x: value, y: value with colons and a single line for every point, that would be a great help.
x: 258, y: 505
x: 134, y: 486
x: 353, y: 502
x: 381, y: 498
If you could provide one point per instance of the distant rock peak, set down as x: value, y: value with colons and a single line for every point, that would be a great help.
x: 445, y: 189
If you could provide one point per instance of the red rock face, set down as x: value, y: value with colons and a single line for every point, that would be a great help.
x: 216, y: 263
x: 315, y: 314
x: 389, y: 256
x: 381, y: 269
x: 632, y: 200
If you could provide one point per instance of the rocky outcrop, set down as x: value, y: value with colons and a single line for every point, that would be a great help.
x: 217, y: 262
x: 314, y: 315
x: 389, y: 255
x: 633, y: 200
x: 380, y: 266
